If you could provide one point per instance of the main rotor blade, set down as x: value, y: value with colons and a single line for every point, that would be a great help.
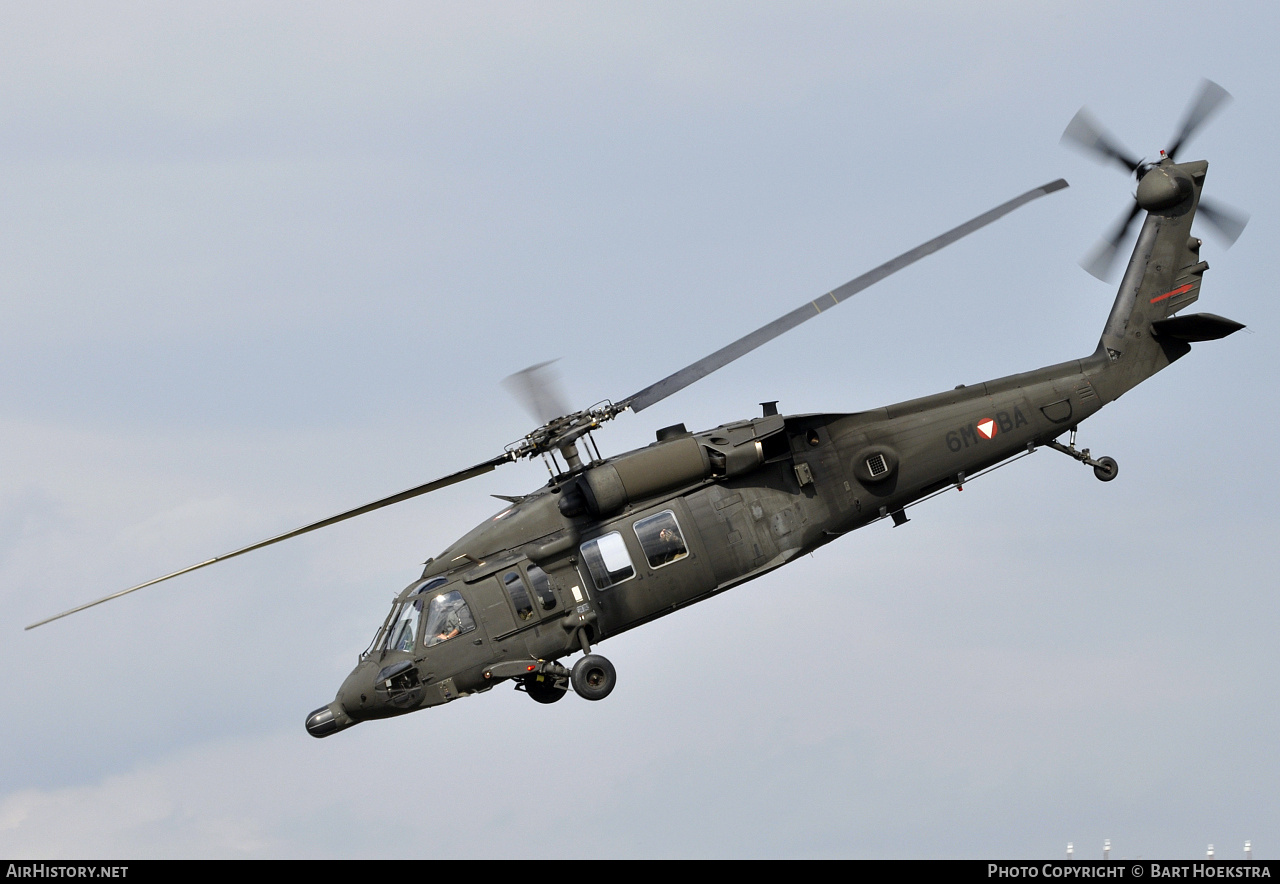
x: 722, y: 357
x: 538, y: 390
x: 1087, y: 133
x: 460, y: 476
x: 1211, y: 97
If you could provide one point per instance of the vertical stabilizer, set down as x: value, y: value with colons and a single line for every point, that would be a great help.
x: 1162, y: 278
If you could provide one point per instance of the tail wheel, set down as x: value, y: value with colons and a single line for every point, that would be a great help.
x: 1107, y: 469
x: 593, y: 677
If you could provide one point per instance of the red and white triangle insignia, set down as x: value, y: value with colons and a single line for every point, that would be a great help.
x: 986, y: 428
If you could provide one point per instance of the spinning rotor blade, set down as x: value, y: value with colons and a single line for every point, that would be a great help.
x: 1101, y: 261
x: 452, y: 479
x: 1211, y: 97
x: 1083, y: 131
x: 537, y: 389
x: 1227, y: 221
x: 1086, y: 133
x: 722, y: 357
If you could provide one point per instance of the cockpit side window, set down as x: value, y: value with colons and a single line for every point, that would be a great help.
x: 447, y: 616
x: 608, y: 560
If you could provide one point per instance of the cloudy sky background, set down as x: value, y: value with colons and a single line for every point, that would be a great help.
x: 261, y: 265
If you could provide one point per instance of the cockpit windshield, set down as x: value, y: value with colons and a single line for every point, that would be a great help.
x: 404, y: 628
x: 400, y: 632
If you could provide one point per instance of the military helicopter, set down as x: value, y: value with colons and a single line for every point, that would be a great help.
x: 611, y: 543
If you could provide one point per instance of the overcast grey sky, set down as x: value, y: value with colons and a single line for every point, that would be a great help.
x: 261, y: 264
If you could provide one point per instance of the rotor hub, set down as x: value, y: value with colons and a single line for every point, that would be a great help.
x: 1163, y: 187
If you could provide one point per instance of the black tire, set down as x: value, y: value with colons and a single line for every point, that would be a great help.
x: 545, y: 691
x: 593, y: 677
x: 1107, y: 469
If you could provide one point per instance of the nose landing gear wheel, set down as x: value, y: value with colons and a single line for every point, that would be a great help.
x: 593, y: 677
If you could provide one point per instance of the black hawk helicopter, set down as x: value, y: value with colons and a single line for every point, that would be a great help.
x: 609, y: 544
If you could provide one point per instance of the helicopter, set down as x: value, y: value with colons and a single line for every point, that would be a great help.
x: 609, y: 544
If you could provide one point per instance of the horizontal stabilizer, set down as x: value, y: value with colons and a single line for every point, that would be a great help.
x: 1195, y: 327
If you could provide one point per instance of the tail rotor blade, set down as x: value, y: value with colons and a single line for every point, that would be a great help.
x: 1229, y: 222
x: 1211, y: 97
x: 1100, y: 263
x: 1087, y: 134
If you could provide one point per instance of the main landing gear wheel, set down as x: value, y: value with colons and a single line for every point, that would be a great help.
x: 1106, y: 469
x: 546, y: 690
x: 593, y: 677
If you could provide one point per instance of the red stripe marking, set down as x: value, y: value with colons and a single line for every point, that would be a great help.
x: 1186, y: 288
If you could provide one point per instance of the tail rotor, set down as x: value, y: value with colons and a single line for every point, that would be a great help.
x: 1086, y: 134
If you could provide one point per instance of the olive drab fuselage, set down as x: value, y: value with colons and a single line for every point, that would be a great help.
x: 554, y: 563
x: 613, y: 543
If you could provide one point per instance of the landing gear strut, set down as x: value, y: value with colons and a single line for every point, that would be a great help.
x: 1105, y: 468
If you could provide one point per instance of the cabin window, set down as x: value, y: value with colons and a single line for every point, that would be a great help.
x: 661, y: 540
x: 542, y: 588
x: 519, y: 595
x: 608, y: 560
x: 447, y: 616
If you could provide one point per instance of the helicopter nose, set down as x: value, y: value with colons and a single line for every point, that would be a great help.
x: 328, y: 720
x: 353, y: 695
